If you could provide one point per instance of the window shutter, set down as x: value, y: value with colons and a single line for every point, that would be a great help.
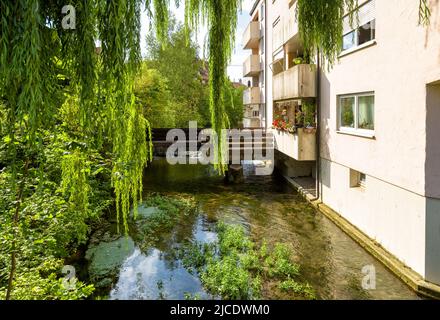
x: 366, y: 13
x: 347, y: 26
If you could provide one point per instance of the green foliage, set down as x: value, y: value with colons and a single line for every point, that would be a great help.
x: 173, y: 87
x: 305, y: 117
x: 154, y: 97
x: 234, y: 105
x: 424, y: 12
x: 221, y: 19
x: 45, y: 69
x: 167, y: 212
x: 291, y: 286
x: 321, y: 24
x: 74, y: 183
x: 233, y: 268
x: 279, y: 264
x: 177, y: 60
x: 189, y: 296
x: 70, y: 187
x: 46, y: 283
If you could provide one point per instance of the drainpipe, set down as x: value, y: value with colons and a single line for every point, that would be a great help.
x: 318, y: 131
x: 265, y: 64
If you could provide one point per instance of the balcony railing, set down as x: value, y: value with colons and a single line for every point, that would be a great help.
x: 300, y: 146
x: 251, y: 36
x: 252, y: 96
x: 252, y: 66
x: 296, y: 83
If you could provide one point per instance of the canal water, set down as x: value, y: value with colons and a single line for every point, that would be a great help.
x: 268, y: 208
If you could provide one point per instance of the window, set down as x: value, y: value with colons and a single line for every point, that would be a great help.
x: 356, y: 113
x: 362, y: 179
x: 357, y: 179
x: 263, y: 12
x: 347, y: 111
x: 364, y: 19
x: 255, y: 113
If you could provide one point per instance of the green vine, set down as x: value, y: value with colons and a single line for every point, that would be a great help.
x: 321, y: 24
x: 424, y: 13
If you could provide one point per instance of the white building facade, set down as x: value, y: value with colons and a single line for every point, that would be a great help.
x: 254, y: 68
x: 374, y: 147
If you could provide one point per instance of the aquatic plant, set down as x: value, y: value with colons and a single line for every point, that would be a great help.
x: 158, y: 216
x: 234, y: 268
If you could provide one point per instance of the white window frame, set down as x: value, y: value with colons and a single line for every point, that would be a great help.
x: 356, y: 30
x: 356, y: 130
x: 362, y: 180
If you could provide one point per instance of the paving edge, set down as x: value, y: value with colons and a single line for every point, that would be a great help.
x: 403, y: 272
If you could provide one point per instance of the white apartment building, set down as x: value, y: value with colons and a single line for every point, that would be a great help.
x: 254, y: 68
x: 376, y: 151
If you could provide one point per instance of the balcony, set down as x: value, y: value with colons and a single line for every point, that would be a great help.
x: 252, y: 67
x: 251, y: 36
x: 252, y: 96
x: 296, y: 83
x: 300, y: 146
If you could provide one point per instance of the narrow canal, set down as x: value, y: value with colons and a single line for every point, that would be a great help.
x: 267, y: 207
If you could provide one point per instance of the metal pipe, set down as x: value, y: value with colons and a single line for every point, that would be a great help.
x: 318, y: 131
x: 265, y: 65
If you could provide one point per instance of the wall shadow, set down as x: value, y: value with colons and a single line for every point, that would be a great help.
x: 432, y: 163
x: 325, y: 128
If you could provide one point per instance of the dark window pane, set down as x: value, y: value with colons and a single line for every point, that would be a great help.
x: 367, y: 32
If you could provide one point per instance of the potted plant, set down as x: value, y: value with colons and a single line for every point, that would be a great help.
x: 298, y: 61
x: 308, y: 117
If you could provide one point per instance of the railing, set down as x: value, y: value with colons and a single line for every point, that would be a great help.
x: 300, y: 146
x: 251, y: 35
x: 252, y: 67
x: 295, y: 83
x: 251, y: 96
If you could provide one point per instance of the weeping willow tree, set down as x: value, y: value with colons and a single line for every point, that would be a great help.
x: 37, y: 54
x: 321, y: 24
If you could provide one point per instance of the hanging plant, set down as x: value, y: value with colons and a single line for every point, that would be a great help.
x: 320, y: 25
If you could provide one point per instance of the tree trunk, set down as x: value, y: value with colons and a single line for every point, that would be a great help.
x: 15, y: 226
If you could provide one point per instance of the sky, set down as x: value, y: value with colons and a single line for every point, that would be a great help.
x: 235, y: 69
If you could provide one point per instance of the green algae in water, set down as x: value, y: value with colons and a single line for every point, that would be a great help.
x: 235, y: 269
x: 158, y: 216
x: 107, y: 258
